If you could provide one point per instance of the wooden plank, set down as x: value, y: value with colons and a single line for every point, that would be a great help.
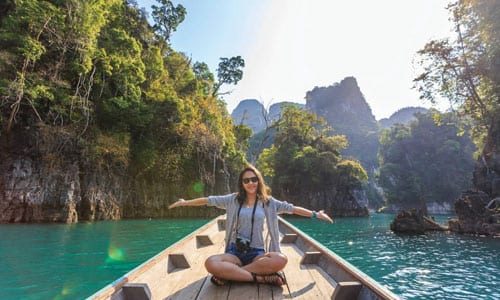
x: 289, y: 238
x: 177, y: 261
x: 279, y: 292
x: 310, y: 258
x: 189, y: 284
x: 324, y: 282
x: 300, y: 281
x: 243, y: 290
x: 265, y: 291
x: 115, y: 287
x: 209, y: 291
x: 182, y: 283
x: 136, y: 291
x: 221, y: 223
x: 347, y: 290
x: 203, y: 240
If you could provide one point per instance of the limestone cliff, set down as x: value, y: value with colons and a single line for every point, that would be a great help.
x: 47, y: 175
x: 345, y: 109
x: 335, y: 203
x: 43, y: 178
x: 252, y: 113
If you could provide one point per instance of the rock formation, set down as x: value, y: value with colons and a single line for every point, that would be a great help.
x: 414, y: 221
x: 478, y: 211
x: 44, y: 179
x: 345, y: 109
x: 46, y: 175
x: 335, y: 203
x: 252, y: 113
x: 477, y: 214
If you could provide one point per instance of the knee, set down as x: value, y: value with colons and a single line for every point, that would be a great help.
x: 279, y: 260
x: 210, y: 264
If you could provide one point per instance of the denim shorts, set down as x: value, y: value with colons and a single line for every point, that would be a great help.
x: 246, y: 257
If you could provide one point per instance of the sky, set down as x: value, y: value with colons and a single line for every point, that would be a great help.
x: 291, y: 46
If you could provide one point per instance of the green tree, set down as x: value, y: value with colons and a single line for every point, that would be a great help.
x: 426, y: 161
x: 167, y: 17
x: 465, y: 70
x: 133, y: 106
x: 305, y: 161
x: 204, y: 76
x: 229, y: 72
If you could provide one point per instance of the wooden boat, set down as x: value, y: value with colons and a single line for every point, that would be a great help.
x: 178, y: 272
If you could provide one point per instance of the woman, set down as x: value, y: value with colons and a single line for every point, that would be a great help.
x: 245, y: 258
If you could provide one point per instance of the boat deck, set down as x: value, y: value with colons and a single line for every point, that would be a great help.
x: 178, y: 272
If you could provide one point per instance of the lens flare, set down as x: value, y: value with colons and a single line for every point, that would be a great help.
x: 198, y: 187
x: 66, y: 291
x: 115, y: 254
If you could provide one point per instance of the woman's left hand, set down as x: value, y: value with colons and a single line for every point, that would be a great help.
x: 323, y: 216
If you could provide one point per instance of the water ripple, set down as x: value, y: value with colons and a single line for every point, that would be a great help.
x: 431, y: 266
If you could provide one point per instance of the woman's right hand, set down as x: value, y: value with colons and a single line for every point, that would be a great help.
x: 178, y: 203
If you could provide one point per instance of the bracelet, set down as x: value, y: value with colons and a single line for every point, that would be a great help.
x: 314, y: 215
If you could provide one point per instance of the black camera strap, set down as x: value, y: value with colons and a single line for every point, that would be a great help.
x: 253, y: 216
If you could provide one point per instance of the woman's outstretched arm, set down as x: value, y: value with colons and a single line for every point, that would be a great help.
x: 321, y: 215
x: 194, y: 202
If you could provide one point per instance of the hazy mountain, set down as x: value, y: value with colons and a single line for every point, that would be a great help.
x: 250, y: 112
x: 402, y: 116
x: 276, y: 108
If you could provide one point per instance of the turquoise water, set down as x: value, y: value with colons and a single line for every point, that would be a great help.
x: 73, y: 261
x: 59, y: 261
x: 436, y: 265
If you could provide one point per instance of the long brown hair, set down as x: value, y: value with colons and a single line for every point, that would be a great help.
x: 262, y: 189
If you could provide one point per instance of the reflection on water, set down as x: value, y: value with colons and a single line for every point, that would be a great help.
x: 432, y: 266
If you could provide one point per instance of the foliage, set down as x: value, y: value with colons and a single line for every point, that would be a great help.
x: 99, y: 70
x: 304, y: 159
x: 466, y: 70
x: 426, y: 161
x: 229, y: 71
x: 167, y: 17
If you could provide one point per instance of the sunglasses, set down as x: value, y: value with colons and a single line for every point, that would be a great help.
x: 252, y: 179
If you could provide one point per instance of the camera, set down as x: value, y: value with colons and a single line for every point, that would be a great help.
x: 242, y: 244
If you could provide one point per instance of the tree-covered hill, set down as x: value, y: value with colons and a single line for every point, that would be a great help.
x: 402, y: 116
x: 305, y: 165
x: 428, y: 162
x: 101, y: 118
x: 345, y: 109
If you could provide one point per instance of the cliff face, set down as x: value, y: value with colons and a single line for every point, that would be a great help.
x: 250, y: 112
x: 335, y: 203
x: 44, y: 179
x: 479, y: 211
x: 46, y: 176
x: 345, y: 109
x: 476, y: 214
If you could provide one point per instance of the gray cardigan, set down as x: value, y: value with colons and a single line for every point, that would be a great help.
x: 271, y: 210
